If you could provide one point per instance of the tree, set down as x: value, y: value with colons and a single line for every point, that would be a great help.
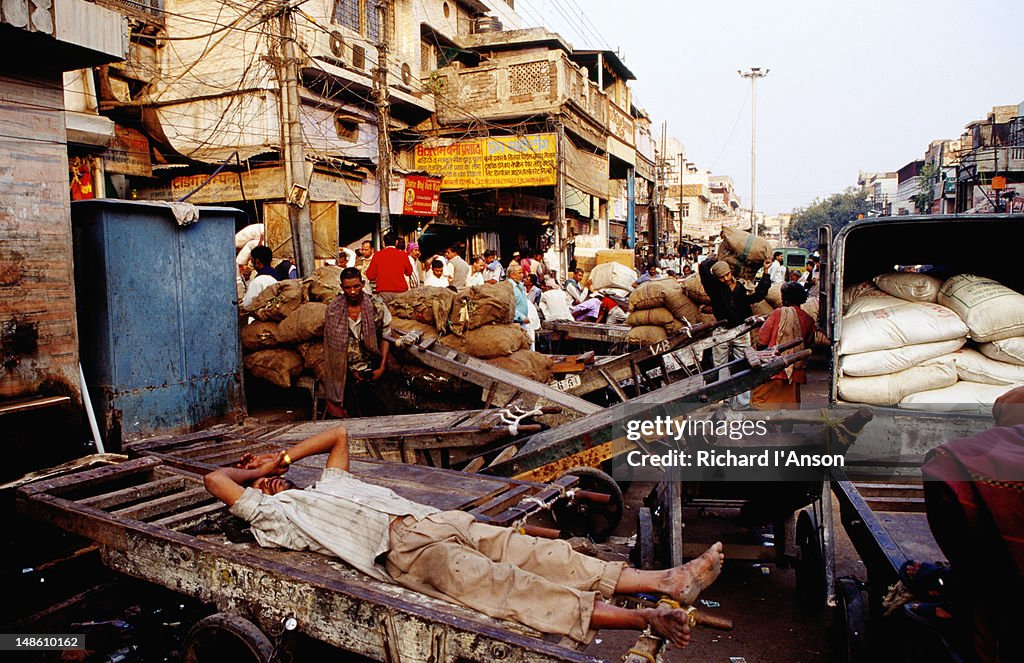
x: 836, y: 211
x: 926, y: 190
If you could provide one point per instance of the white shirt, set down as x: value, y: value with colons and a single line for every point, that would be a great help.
x: 476, y: 278
x: 256, y: 286
x: 777, y: 272
x: 436, y: 281
x: 338, y: 515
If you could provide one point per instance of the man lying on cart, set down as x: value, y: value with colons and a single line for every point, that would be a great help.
x: 541, y: 583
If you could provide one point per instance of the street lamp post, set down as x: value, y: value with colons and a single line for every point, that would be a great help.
x: 753, y: 74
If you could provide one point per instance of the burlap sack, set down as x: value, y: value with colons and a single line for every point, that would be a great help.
x: 277, y: 301
x: 400, y: 326
x: 1007, y: 350
x: 774, y: 296
x: 706, y: 318
x: 810, y: 307
x: 305, y: 324
x: 896, y: 327
x: 484, y: 305
x: 646, y: 335
x: 888, y: 390
x: 489, y: 341
x: 744, y: 251
x: 991, y: 310
x: 323, y: 285
x: 650, y: 316
x: 665, y: 293
x: 278, y: 366
x: 529, y: 364
x: 882, y: 362
x: 694, y: 289
x: 761, y: 308
x: 973, y: 366
x: 313, y: 358
x: 427, y: 304
x: 259, y: 336
x: 909, y: 286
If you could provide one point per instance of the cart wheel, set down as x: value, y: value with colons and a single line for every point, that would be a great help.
x: 591, y: 519
x: 851, y: 620
x: 226, y: 637
x: 810, y: 569
x: 643, y: 554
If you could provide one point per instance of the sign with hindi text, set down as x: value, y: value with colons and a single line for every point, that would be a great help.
x: 495, y: 162
x: 421, y: 195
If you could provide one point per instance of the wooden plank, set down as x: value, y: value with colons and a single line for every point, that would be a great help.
x: 165, y: 504
x: 134, y: 493
x: 588, y: 331
x: 483, y: 374
x: 190, y: 518
x: 27, y: 404
x: 92, y: 478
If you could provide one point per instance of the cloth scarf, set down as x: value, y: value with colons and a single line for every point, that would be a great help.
x: 336, y: 344
x: 788, y: 329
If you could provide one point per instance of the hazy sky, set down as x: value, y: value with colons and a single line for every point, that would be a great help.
x: 853, y: 85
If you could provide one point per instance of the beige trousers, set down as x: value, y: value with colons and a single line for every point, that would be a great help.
x: 541, y: 583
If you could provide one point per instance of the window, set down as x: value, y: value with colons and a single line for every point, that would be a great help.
x: 359, y: 15
x: 684, y: 210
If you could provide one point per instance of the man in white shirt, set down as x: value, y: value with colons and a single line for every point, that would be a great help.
x: 777, y: 271
x: 460, y: 268
x: 435, y: 276
x: 476, y: 272
x: 495, y: 272
x: 265, y: 275
x: 541, y: 583
x: 554, y: 302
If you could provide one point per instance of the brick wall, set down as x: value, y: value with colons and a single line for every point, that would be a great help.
x: 36, y: 272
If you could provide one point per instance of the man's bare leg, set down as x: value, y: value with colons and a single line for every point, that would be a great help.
x: 667, y: 622
x: 683, y: 583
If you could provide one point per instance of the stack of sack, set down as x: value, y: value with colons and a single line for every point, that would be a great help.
x: 659, y: 309
x: 287, y: 334
x: 477, y: 321
x: 904, y: 337
x: 744, y: 252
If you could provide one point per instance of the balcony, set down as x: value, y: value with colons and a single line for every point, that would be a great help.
x: 996, y: 159
x: 524, y: 85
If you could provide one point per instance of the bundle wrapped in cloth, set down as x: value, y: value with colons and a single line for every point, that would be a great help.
x: 746, y: 253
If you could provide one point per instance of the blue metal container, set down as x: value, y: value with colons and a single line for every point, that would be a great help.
x: 157, y: 317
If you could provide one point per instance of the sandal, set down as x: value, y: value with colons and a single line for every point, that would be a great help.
x: 926, y: 580
x: 936, y: 615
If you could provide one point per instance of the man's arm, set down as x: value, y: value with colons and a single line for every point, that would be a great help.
x: 761, y: 291
x: 228, y: 483
x: 385, y: 350
x: 371, y: 269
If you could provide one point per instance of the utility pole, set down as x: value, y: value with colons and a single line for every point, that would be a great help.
x: 292, y: 148
x: 679, y: 245
x: 561, y: 232
x: 380, y: 98
x: 753, y: 74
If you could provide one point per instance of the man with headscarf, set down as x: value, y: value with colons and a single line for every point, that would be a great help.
x: 974, y: 496
x: 355, y: 352
x: 731, y: 301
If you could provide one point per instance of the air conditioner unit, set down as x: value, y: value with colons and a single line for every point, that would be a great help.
x: 407, y: 78
x: 331, y: 48
x: 358, y: 57
x: 336, y: 44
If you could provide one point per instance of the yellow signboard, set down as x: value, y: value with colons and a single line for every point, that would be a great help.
x: 497, y: 162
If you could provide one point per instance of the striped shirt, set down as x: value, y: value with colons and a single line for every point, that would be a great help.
x: 338, y: 515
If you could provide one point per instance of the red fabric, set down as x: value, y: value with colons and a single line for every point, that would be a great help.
x: 389, y: 267
x: 767, y: 337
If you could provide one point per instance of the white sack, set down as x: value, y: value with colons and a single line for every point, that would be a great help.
x: 891, y: 389
x: 973, y: 366
x: 873, y: 302
x: 910, y: 286
x: 966, y: 397
x: 881, y: 362
x: 1008, y: 350
x: 898, y: 326
x: 991, y: 310
x: 612, y: 275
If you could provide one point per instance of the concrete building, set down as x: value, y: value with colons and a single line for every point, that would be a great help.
x: 38, y: 330
x: 991, y: 168
x: 880, y: 189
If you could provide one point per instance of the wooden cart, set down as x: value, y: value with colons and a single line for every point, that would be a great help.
x: 151, y: 518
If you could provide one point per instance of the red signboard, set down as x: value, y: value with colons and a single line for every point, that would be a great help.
x: 421, y: 195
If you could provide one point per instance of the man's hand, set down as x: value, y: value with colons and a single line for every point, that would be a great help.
x: 377, y: 374
x: 274, y: 462
x: 768, y: 263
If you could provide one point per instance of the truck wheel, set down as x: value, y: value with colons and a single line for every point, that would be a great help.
x: 592, y: 519
x: 226, y: 637
x: 810, y: 569
x: 851, y: 620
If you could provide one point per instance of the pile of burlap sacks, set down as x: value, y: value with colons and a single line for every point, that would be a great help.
x: 912, y: 340
x: 659, y: 309
x: 286, y: 337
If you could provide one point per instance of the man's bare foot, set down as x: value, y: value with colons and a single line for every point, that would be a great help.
x: 686, y: 582
x: 671, y: 624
